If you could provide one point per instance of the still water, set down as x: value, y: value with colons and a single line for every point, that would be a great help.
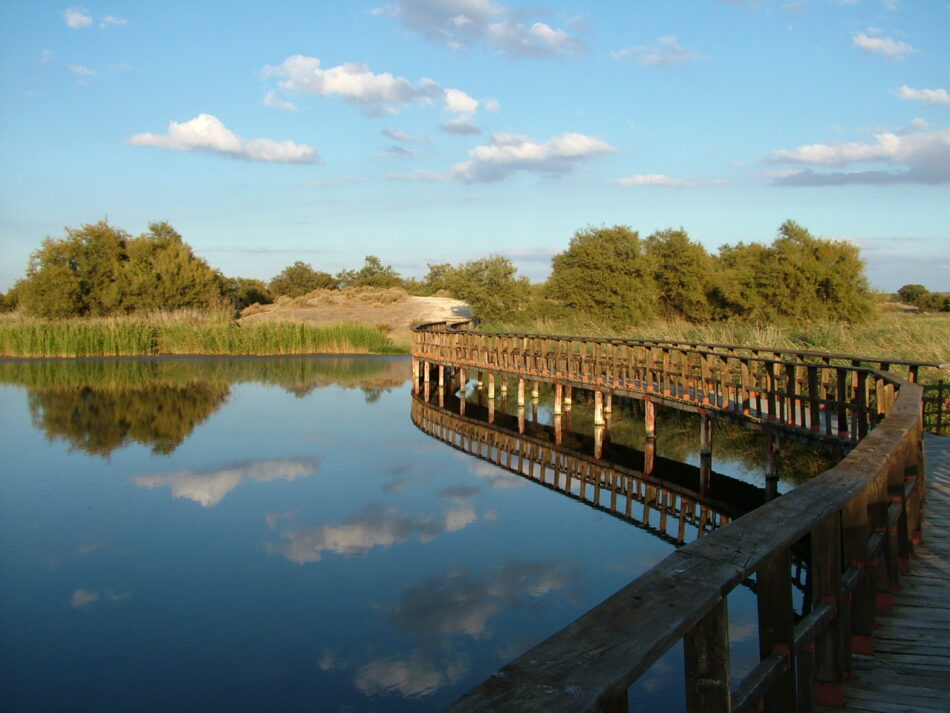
x: 277, y: 535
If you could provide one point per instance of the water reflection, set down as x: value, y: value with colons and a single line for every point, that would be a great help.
x: 98, y: 406
x: 209, y: 487
x: 307, y: 539
x: 376, y: 525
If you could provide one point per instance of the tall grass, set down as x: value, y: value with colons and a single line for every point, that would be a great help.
x: 183, y: 333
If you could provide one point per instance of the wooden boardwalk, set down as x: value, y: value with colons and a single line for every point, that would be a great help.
x: 910, y: 669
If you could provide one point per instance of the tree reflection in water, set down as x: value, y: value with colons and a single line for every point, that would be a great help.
x: 101, y: 405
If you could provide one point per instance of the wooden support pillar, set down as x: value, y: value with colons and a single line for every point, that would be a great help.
x: 599, y: 408
x: 558, y: 429
x: 426, y: 389
x: 599, y: 433
x: 706, y: 653
x: 504, y: 386
x: 491, y: 410
x: 441, y: 397
x: 491, y: 386
x: 772, y: 444
x: 558, y: 399
x: 425, y: 372
x: 705, y: 433
x: 609, y: 403
x: 481, y: 381
x: 535, y: 390
x: 649, y: 456
x: 521, y: 419
x: 568, y: 391
x: 649, y: 417
x: 520, y: 392
x: 415, y: 376
x: 441, y: 375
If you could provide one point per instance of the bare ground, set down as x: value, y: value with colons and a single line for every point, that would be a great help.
x: 392, y: 310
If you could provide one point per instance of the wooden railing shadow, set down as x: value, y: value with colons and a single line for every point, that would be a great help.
x: 859, y: 520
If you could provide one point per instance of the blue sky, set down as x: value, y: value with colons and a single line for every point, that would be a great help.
x: 428, y: 131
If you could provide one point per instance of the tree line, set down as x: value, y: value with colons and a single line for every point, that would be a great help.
x: 608, y: 275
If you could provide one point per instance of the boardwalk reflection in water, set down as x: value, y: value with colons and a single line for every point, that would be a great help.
x: 276, y: 534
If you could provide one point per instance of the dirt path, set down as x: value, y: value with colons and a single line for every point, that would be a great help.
x: 372, y: 308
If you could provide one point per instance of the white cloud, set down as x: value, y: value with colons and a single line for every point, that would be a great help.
x: 209, y: 487
x: 397, y: 135
x: 81, y: 71
x: 509, y: 153
x: 206, y: 133
x: 462, y: 24
x: 492, y: 105
x: 921, y: 156
x: 460, y: 125
x: 666, y: 53
x: 458, y: 102
x: 271, y: 99
x: 420, y: 175
x: 892, y: 49
x: 928, y: 96
x: 77, y: 17
x: 111, y: 21
x: 375, y: 94
x: 655, y: 179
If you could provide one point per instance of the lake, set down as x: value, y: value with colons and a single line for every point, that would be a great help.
x: 277, y: 534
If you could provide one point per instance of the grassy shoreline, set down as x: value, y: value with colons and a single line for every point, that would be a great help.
x: 184, y: 335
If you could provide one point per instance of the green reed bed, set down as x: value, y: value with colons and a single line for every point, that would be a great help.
x: 145, y: 337
x: 76, y: 338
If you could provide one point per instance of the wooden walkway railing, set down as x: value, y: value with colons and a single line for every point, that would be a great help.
x: 859, y: 519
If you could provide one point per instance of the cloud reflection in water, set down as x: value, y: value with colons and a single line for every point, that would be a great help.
x: 209, y: 487
x: 376, y: 525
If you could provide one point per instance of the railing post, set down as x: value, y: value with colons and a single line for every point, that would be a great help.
x: 855, y: 531
x: 826, y: 583
x: 706, y: 652
x: 776, y: 630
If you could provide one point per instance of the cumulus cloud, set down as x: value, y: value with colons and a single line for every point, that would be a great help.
x: 271, y: 99
x: 509, y: 153
x: 885, y: 46
x: 920, y: 156
x: 111, y: 21
x: 463, y: 24
x: 656, y: 179
x: 374, y: 526
x: 927, y: 96
x: 77, y: 17
x: 375, y: 94
x: 667, y: 52
x: 206, y: 133
x: 209, y: 487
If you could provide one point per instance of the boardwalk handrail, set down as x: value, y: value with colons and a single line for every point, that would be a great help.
x: 861, y: 519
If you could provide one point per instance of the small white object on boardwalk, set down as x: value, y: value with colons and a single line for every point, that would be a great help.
x: 910, y: 669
